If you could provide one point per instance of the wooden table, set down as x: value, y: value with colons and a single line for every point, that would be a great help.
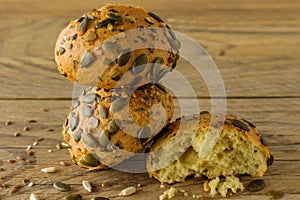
x: 255, y: 45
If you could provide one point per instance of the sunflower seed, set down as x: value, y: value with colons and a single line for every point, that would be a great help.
x: 155, y: 16
x: 270, y: 160
x: 88, y: 140
x: 116, y: 76
x: 90, y: 98
x: 103, y: 138
x: 113, y: 16
x: 89, y: 160
x: 128, y: 191
x: 92, y: 123
x: 256, y: 185
x: 87, y: 111
x: 104, y: 23
x: 73, y: 37
x: 61, y: 186
x: 161, y: 74
x: 175, y: 44
x: 87, y: 59
x: 117, y: 105
x: 135, y: 81
x: 109, y: 47
x: 103, y: 112
x: 73, y: 122
x: 100, y: 198
x: 87, y: 186
x: 90, y: 36
x: 113, y: 127
x: 83, y: 25
x: 156, y: 66
x: 240, y: 124
x: 124, y: 57
x: 143, y: 134
x: 73, y: 197
x: 49, y: 170
x: 75, y: 104
x: 171, y: 32
x: 130, y: 19
x: 250, y: 123
x: 61, y: 50
x: 275, y: 194
x: 139, y: 63
x: 34, y: 197
x: 149, y: 20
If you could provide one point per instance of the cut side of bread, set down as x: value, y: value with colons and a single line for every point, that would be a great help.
x: 195, y: 146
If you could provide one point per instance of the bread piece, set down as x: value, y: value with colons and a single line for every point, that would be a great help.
x: 104, y: 127
x: 230, y: 183
x: 98, y: 48
x: 193, y: 146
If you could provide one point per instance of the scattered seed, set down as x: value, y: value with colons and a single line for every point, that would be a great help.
x: 40, y: 139
x: 61, y: 186
x: 7, y: 123
x: 17, y: 134
x: 113, y: 16
x: 124, y: 57
x: 34, y: 197
x: 83, y: 25
x: 100, y: 198
x: 1, y: 169
x: 59, y: 146
x: 270, y: 160
x: 73, y: 197
x: 11, y: 161
x: 35, y: 143
x: 130, y: 19
x: 105, y: 185
x: 109, y: 47
x: 29, y: 161
x: 44, y: 109
x: 49, y: 170
x: 139, y: 185
x: 139, y: 63
x: 25, y: 180
x: 149, y: 20
x: 87, y: 59
x: 103, y: 112
x: 50, y: 151
x: 103, y: 138
x: 29, y: 147
x: 128, y: 191
x: 30, y: 184
x: 3, y: 185
x: 90, y: 98
x: 65, y: 145
x: 15, y: 188
x: 143, y: 134
x: 31, y: 121
x: 155, y: 16
x: 87, y: 186
x: 89, y: 160
x: 206, y: 186
x: 30, y: 153
x: 256, y: 185
x: 26, y: 128
x: 275, y: 194
x: 113, y: 127
x: 88, y: 140
x: 19, y: 158
x: 240, y: 124
x: 90, y: 36
x: 222, y: 52
x: 63, y: 163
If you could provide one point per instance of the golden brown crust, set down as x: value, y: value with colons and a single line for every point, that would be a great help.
x: 100, y: 125
x: 84, y: 37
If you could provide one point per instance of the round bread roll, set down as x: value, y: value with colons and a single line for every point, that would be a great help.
x: 106, y: 127
x: 103, y: 45
x: 194, y: 146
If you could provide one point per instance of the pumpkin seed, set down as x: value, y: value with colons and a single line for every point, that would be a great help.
x: 104, y: 23
x: 77, y: 135
x: 73, y: 197
x: 90, y: 98
x: 113, y: 16
x: 87, y: 111
x: 88, y: 140
x: 93, y: 123
x: 113, y: 127
x: 149, y: 20
x: 135, y: 81
x: 103, y: 138
x: 75, y: 104
x: 89, y: 160
x: 161, y: 74
x: 175, y: 44
x: 155, y: 16
x: 130, y: 19
x: 61, y: 50
x: 90, y: 36
x: 109, y: 47
x: 143, y: 134
x: 103, y: 112
x: 61, y: 186
x: 117, y: 104
x: 116, y: 75
x: 240, y: 124
x: 83, y: 25
x: 99, y: 198
x: 256, y: 185
x: 73, y: 122
x: 275, y: 194
x: 270, y: 160
x: 124, y: 57
x: 139, y: 63
x: 87, y: 59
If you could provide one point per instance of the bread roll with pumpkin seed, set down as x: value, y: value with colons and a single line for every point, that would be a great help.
x: 98, y: 48
x: 193, y: 146
x: 105, y: 127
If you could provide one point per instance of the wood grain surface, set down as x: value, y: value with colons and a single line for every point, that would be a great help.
x: 254, y: 44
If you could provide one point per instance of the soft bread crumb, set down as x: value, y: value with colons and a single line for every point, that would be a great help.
x: 169, y: 194
x: 231, y: 183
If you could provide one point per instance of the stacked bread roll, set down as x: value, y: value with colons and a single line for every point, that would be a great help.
x: 121, y: 52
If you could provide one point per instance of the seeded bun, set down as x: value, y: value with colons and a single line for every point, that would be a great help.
x: 105, y: 127
x: 189, y: 147
x: 98, y: 48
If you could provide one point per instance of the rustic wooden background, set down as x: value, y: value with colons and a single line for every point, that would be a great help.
x: 254, y: 43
